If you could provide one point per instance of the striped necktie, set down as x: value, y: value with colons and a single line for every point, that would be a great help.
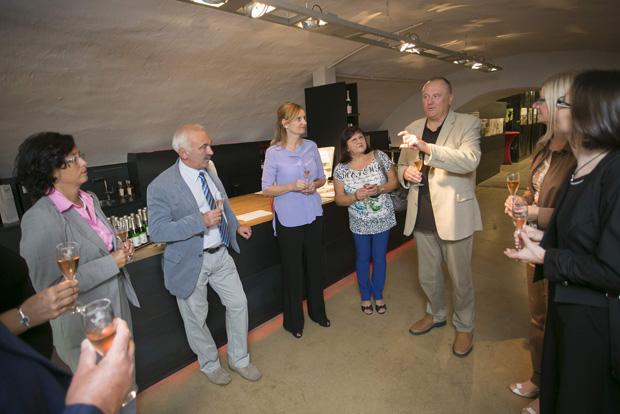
x: 211, y: 201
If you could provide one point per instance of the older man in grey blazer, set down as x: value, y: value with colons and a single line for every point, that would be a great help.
x: 442, y: 209
x: 189, y: 211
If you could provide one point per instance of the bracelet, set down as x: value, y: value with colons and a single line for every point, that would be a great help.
x: 23, y: 318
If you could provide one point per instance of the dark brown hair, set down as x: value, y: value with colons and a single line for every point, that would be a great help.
x: 346, y: 135
x: 37, y: 158
x: 595, y: 109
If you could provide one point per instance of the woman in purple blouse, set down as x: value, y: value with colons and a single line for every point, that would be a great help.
x: 291, y: 175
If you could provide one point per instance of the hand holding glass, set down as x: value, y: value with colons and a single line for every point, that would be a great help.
x: 99, y: 327
x: 519, y: 218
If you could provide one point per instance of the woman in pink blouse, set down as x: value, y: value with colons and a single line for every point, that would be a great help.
x: 291, y: 175
x: 51, y: 168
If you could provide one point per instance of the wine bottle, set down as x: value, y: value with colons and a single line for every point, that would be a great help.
x: 140, y: 229
x: 349, y: 105
x: 129, y: 190
x: 133, y: 234
x: 121, y: 191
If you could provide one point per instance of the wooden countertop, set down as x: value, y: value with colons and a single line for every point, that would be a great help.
x: 240, y: 205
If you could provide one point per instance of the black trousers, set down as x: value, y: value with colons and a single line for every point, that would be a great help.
x: 576, y: 367
x: 301, y: 249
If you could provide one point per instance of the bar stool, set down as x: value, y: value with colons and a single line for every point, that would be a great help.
x: 509, y: 137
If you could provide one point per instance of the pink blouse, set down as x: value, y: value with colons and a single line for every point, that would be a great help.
x: 87, y: 212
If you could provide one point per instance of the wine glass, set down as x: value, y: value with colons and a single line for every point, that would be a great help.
x: 512, y: 181
x: 99, y: 327
x: 519, y: 218
x: 419, y: 163
x: 67, y: 258
x: 121, y: 229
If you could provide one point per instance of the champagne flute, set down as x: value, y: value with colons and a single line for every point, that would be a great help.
x: 512, y: 181
x: 121, y: 229
x: 67, y: 258
x: 98, y: 321
x: 519, y: 218
x: 418, y: 163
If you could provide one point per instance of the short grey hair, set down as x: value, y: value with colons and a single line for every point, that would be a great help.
x: 179, y: 140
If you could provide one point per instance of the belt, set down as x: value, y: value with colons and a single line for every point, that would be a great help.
x: 212, y: 250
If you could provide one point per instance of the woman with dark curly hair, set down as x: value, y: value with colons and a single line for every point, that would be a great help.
x: 51, y: 168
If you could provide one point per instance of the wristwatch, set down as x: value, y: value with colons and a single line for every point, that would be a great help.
x: 23, y: 318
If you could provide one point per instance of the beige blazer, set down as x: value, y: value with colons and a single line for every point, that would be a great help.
x: 452, y: 176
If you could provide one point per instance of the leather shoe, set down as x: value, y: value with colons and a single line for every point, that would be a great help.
x: 424, y: 325
x: 519, y: 389
x: 219, y: 376
x: 463, y: 344
x: 250, y: 373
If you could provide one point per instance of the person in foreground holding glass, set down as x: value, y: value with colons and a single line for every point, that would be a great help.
x: 31, y: 384
x: 552, y: 163
x: 50, y: 166
x: 292, y: 173
x: 579, y: 256
x: 362, y: 181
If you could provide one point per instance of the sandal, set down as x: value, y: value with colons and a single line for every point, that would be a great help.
x: 381, y: 309
x: 367, y: 309
x: 517, y: 388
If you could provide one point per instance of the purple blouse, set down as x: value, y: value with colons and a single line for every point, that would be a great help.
x: 283, y: 167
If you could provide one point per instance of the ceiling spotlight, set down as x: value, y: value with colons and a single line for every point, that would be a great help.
x: 408, y: 48
x: 212, y: 3
x: 312, y: 23
x: 493, y: 69
x: 476, y: 65
x: 256, y: 9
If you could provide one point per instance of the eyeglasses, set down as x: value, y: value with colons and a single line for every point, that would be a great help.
x: 561, y: 103
x: 73, y: 160
x: 540, y: 101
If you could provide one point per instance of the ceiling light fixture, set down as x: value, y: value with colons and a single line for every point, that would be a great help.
x: 312, y: 23
x: 211, y: 3
x: 300, y: 17
x: 256, y: 10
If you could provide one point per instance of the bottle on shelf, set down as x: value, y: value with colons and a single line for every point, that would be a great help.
x: 349, y: 105
x: 129, y: 190
x: 121, y: 191
x: 145, y: 219
x: 133, y: 235
x: 140, y: 229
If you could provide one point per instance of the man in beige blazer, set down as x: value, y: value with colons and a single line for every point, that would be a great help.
x: 442, y: 210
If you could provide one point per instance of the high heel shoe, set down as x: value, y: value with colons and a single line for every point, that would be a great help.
x: 325, y: 323
x: 297, y: 334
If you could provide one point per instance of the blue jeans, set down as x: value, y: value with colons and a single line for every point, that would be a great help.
x: 367, y: 246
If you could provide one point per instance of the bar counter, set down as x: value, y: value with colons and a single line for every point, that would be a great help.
x: 161, y: 344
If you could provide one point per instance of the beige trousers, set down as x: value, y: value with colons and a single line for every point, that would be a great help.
x: 432, y: 251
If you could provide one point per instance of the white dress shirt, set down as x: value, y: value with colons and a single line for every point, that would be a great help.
x: 191, y: 177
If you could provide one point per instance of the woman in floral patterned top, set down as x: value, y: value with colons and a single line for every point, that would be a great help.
x: 362, y: 181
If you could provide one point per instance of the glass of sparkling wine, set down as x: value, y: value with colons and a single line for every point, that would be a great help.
x: 419, y: 163
x: 67, y: 258
x: 121, y: 229
x: 512, y: 181
x: 519, y: 218
x: 98, y: 321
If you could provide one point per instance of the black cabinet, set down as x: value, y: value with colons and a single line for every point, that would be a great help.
x: 326, y: 112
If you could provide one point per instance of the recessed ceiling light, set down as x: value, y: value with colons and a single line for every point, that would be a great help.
x: 256, y: 9
x: 211, y: 3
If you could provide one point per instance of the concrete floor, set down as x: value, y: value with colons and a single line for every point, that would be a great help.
x: 371, y: 364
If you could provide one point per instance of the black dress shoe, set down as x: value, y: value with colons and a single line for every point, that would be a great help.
x: 298, y: 334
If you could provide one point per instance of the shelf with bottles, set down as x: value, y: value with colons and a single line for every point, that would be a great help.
x: 132, y: 227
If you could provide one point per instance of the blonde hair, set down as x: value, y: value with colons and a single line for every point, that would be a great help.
x: 286, y: 112
x: 555, y: 87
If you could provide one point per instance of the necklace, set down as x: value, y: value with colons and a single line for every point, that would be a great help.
x: 574, y: 181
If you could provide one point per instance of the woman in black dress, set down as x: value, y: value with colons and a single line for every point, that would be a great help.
x: 580, y: 257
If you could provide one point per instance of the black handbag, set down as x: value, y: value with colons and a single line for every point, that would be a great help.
x: 399, y: 195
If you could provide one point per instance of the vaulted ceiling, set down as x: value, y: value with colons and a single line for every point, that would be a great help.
x: 121, y: 75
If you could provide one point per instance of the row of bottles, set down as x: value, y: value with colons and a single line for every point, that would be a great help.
x: 125, y: 191
x: 133, y: 227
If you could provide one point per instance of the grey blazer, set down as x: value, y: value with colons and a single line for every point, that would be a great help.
x: 174, y: 219
x: 43, y: 227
